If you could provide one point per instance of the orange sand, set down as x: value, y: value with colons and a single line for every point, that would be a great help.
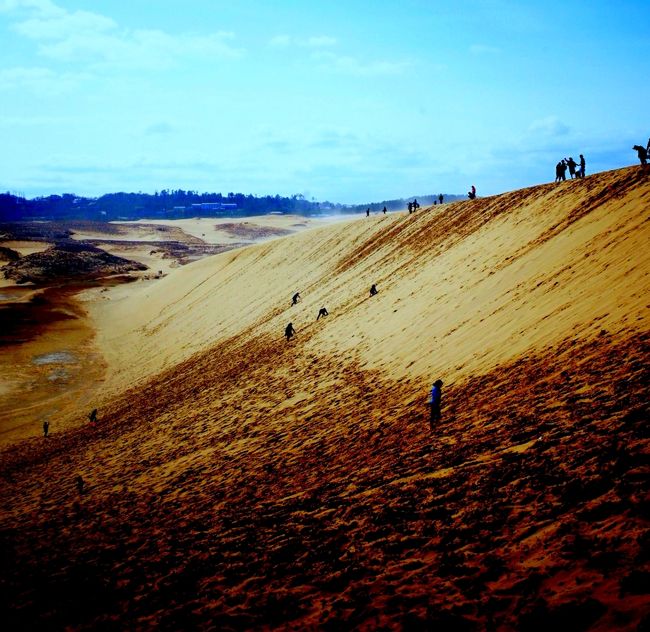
x: 238, y: 481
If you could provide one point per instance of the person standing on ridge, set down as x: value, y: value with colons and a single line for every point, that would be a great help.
x: 322, y: 312
x: 410, y: 208
x: 373, y: 290
x: 384, y: 210
x: 295, y: 298
x: 46, y: 428
x: 582, y: 166
x: 472, y: 194
x: 435, y: 400
x: 415, y: 205
x: 572, y: 164
x: 441, y: 197
x: 558, y: 172
x: 642, y: 153
x: 289, y: 331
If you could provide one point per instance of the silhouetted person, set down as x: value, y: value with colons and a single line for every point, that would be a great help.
x: 384, y: 210
x: 289, y: 331
x: 373, y: 290
x: 92, y: 417
x: 367, y: 212
x: 410, y: 208
x: 558, y: 172
x: 46, y: 428
x: 642, y: 152
x: 563, y: 169
x: 295, y: 298
x: 572, y: 164
x: 80, y: 485
x: 472, y: 194
x: 435, y: 399
x: 441, y: 197
x: 415, y: 205
x: 322, y: 312
x: 582, y: 166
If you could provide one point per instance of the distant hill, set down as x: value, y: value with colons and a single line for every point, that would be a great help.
x: 175, y: 204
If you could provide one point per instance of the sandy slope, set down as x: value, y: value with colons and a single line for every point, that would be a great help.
x: 241, y: 481
x: 462, y: 288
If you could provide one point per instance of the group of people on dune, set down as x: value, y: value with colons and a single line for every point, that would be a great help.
x: 576, y: 170
x: 435, y: 396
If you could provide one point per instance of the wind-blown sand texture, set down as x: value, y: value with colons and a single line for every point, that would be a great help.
x: 238, y: 481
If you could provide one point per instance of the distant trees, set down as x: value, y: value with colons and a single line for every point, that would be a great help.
x: 174, y: 204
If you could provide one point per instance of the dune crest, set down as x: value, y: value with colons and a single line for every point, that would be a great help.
x: 237, y: 481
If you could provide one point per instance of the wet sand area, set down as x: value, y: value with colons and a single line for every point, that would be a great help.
x: 48, y: 362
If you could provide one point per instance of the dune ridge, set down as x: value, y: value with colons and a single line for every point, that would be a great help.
x: 236, y: 481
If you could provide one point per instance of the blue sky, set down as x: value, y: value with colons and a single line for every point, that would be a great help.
x: 346, y: 101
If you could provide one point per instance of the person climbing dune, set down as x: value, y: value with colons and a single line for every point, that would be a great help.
x: 435, y: 399
x: 289, y: 331
x: 322, y: 312
x: 373, y: 290
x: 295, y: 298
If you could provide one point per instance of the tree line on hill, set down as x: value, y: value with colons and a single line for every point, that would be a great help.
x: 175, y: 204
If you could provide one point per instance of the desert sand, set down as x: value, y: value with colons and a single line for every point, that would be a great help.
x: 236, y: 480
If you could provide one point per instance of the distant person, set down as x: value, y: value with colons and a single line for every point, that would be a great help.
x: 373, y: 290
x: 46, y: 428
x: 410, y: 208
x: 572, y: 164
x: 92, y: 416
x: 558, y: 172
x: 384, y: 210
x: 289, y: 331
x: 472, y: 194
x: 642, y: 152
x: 647, y: 149
x: 435, y: 399
x: 416, y: 205
x: 80, y: 485
x: 435, y: 202
x: 295, y: 298
x: 563, y: 168
x: 367, y: 212
x: 322, y: 312
x: 582, y: 166
x: 441, y: 197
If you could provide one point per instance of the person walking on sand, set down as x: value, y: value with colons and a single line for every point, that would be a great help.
x: 410, y: 208
x: 558, y: 172
x: 289, y: 331
x: 435, y: 399
x: 367, y: 212
x: 472, y: 194
x: 92, y: 416
x: 46, y: 428
x: 295, y: 298
x: 581, y: 171
x: 384, y: 210
x: 441, y: 197
x: 642, y: 153
x: 416, y: 205
x: 322, y: 312
x: 373, y: 290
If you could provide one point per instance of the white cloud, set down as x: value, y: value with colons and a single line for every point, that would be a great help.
x: 280, y: 41
x: 320, y: 41
x: 482, y: 49
x: 353, y: 66
x: 92, y: 38
x: 39, y: 80
x: 548, y: 127
x: 315, y: 41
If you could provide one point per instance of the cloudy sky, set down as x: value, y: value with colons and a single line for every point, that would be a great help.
x: 349, y: 101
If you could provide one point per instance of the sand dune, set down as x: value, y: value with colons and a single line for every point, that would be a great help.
x: 239, y: 481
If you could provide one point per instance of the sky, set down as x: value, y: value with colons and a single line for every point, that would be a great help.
x: 347, y: 101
